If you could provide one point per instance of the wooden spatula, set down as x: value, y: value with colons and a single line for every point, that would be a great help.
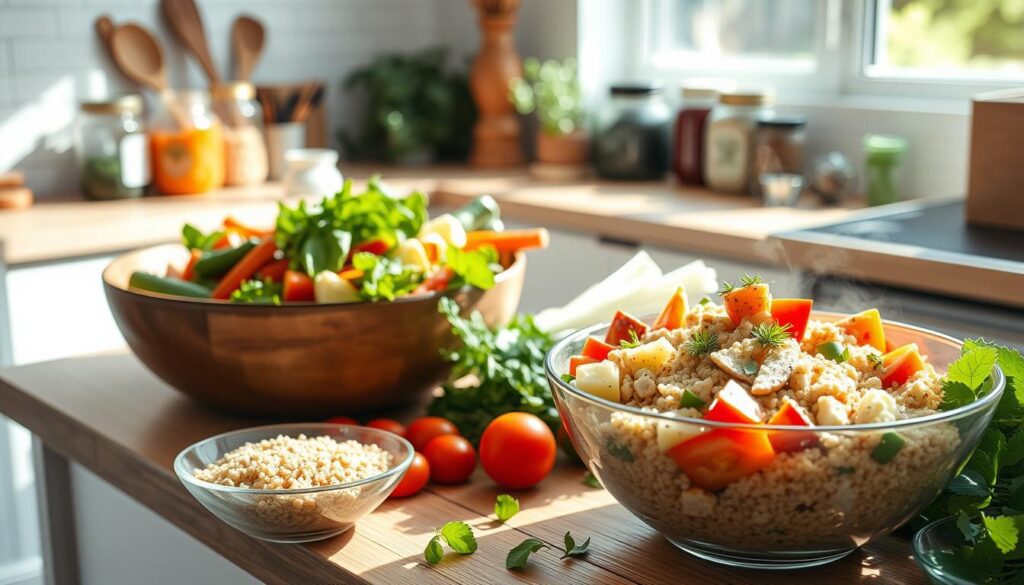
x: 139, y: 56
x: 187, y: 24
x: 247, y: 38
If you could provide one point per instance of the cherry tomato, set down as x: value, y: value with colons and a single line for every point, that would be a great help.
x: 422, y: 430
x: 451, y: 457
x: 342, y: 420
x: 517, y: 450
x: 387, y: 424
x: 414, y: 479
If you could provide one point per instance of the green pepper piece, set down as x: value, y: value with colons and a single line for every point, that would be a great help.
x: 887, y: 449
x: 690, y: 400
x: 834, y: 351
x: 218, y: 262
x: 167, y: 286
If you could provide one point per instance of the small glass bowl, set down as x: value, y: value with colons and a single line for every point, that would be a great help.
x: 941, y: 538
x: 293, y: 515
x: 805, y: 508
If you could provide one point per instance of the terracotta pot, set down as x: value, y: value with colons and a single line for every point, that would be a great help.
x: 563, y: 149
x: 301, y: 359
x: 496, y: 134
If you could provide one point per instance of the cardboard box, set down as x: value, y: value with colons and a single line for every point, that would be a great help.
x: 995, y: 187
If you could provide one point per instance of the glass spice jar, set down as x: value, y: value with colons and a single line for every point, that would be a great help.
x: 883, y: 157
x: 245, y: 152
x: 190, y: 158
x: 688, y: 140
x: 110, y: 147
x: 729, y: 137
x: 778, y: 148
x: 632, y: 135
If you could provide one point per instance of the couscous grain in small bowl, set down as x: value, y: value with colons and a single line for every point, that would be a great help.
x: 758, y: 433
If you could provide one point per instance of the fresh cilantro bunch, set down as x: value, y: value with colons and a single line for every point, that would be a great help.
x: 384, y: 278
x: 193, y: 239
x: 987, y: 496
x: 319, y: 237
x: 258, y: 292
x: 508, y: 364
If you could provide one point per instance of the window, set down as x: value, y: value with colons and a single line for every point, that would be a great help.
x: 916, y: 48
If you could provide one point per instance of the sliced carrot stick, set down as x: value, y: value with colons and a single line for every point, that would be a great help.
x: 173, y: 271
x: 351, y: 273
x: 298, y: 286
x: 190, y: 268
x: 232, y: 224
x: 510, y: 241
x: 246, y: 267
x: 274, y: 270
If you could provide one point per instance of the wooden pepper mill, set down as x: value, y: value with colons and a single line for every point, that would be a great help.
x: 496, y: 134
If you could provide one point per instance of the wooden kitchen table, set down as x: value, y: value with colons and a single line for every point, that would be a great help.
x: 111, y: 415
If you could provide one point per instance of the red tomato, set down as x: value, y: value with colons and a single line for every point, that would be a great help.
x: 414, y: 479
x: 342, y: 420
x: 791, y: 414
x: 451, y: 457
x: 579, y: 360
x: 378, y: 247
x: 671, y: 317
x: 517, y: 450
x: 422, y: 430
x: 717, y: 458
x: 734, y: 404
x: 621, y: 325
x: 595, y: 348
x: 792, y: 312
x: 387, y: 424
x: 298, y: 286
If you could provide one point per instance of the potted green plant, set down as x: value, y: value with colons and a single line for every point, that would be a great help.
x: 552, y: 90
x: 418, y: 109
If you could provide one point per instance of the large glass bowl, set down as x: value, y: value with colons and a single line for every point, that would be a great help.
x: 805, y: 508
x: 293, y: 515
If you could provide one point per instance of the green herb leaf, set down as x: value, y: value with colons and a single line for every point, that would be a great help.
x: 888, y: 447
x: 472, y: 267
x: 704, y: 300
x: 459, y: 537
x: 955, y: 395
x: 690, y: 400
x: 750, y: 368
x: 571, y: 548
x: 567, y: 378
x: 972, y: 368
x: 506, y: 507
x: 258, y: 292
x: 618, y: 450
x: 634, y: 341
x: 835, y: 351
x: 434, y: 553
x: 701, y: 343
x: 771, y: 334
x: 745, y: 280
x: 967, y: 528
x: 968, y: 483
x: 518, y: 556
x: 590, y: 480
x: 384, y: 279
x: 845, y: 470
x: 1014, y: 449
x: 1003, y: 531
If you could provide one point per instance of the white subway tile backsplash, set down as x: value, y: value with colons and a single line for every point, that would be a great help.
x: 19, y: 21
x: 33, y: 56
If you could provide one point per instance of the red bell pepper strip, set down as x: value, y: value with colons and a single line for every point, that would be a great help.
x: 791, y: 414
x: 190, y: 268
x: 274, y: 270
x: 795, y: 313
x: 436, y: 282
x: 595, y: 348
x: 378, y: 247
x: 579, y: 360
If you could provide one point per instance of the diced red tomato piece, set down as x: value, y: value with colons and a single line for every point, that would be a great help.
x: 791, y: 414
x: 720, y: 457
x: 578, y: 360
x: 671, y: 317
x: 597, y: 349
x: 298, y: 286
x: 734, y: 404
x: 900, y: 364
x: 792, y: 312
x: 747, y: 301
x: 273, y: 270
x: 866, y: 327
x: 621, y: 325
x: 378, y: 247
x: 436, y: 282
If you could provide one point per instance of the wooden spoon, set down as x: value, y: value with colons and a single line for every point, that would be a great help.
x: 247, y: 38
x: 184, y: 18
x: 137, y: 53
x: 104, y: 30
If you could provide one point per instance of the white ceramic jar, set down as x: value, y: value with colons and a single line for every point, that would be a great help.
x: 311, y: 172
x: 729, y: 139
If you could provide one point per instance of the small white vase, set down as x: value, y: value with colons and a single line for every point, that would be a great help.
x: 311, y: 172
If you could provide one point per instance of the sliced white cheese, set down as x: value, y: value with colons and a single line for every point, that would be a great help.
x: 412, y: 253
x: 876, y: 406
x: 448, y: 228
x: 831, y: 412
x: 328, y: 287
x: 671, y: 434
x: 600, y: 379
x: 651, y: 356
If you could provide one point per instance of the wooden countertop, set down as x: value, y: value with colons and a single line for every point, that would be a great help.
x: 657, y: 213
x: 67, y: 404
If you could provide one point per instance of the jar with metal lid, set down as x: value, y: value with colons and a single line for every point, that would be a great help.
x: 778, y: 148
x: 729, y: 138
x: 688, y: 140
x: 187, y: 147
x: 632, y: 135
x: 110, y: 147
x: 245, y: 152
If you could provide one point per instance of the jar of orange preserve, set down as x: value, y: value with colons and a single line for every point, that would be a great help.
x: 187, y: 149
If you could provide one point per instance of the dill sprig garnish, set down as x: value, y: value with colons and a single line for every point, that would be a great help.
x: 634, y: 341
x: 701, y: 343
x: 771, y: 334
x: 745, y: 280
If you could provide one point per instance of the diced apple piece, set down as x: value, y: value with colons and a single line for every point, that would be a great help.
x: 734, y: 404
x: 674, y: 313
x: 446, y: 226
x: 747, y: 301
x: 600, y: 379
x: 671, y: 434
x: 866, y: 327
x: 900, y: 364
x: 328, y: 287
x: 651, y: 356
x: 412, y: 253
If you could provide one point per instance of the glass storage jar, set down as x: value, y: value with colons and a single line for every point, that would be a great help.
x: 778, y: 148
x: 632, y: 137
x: 728, y: 141
x: 688, y: 141
x: 883, y: 157
x: 110, y: 147
x: 245, y: 152
x: 190, y: 158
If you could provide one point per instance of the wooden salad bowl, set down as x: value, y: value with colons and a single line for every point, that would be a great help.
x: 295, y: 360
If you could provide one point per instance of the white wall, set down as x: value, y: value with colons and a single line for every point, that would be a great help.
x: 50, y: 60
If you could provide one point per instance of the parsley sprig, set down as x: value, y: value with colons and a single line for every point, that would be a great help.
x: 745, y: 280
x: 518, y: 556
x: 457, y: 535
x: 771, y: 334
